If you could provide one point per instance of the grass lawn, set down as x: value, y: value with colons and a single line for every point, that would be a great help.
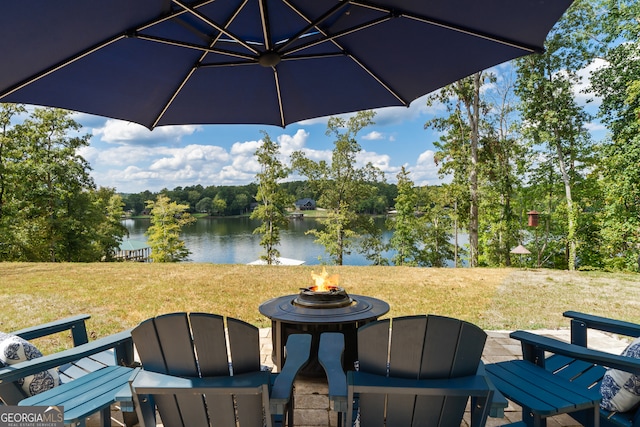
x: 120, y: 295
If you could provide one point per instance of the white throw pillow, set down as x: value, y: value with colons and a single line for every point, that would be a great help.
x: 620, y: 390
x: 14, y: 349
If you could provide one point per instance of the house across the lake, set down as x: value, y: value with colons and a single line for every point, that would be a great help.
x: 306, y: 204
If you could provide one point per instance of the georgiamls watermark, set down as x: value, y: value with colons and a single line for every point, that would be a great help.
x: 31, y: 416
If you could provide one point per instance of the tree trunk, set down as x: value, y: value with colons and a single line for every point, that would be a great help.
x: 571, y: 232
x: 474, y: 118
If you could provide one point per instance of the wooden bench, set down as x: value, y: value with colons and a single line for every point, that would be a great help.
x: 82, y: 365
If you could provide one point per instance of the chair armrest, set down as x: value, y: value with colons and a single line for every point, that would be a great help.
x: 121, y: 341
x: 330, y: 353
x: 534, y: 346
x: 76, y: 324
x: 498, y: 402
x: 252, y: 383
x: 298, y: 349
x: 473, y: 385
x: 581, y: 322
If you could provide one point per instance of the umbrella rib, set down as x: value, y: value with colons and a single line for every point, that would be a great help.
x: 198, y: 63
x: 60, y: 65
x: 313, y: 56
x: 266, y: 27
x: 280, y: 106
x: 288, y: 58
x: 215, y: 25
x: 450, y: 26
x: 194, y: 46
x: 378, y: 79
x: 312, y: 24
x: 173, y: 97
x: 332, y: 38
x: 70, y: 60
x: 172, y: 15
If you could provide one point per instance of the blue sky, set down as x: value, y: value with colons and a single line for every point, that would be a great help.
x: 130, y: 158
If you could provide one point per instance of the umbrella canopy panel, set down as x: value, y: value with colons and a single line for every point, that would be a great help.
x: 163, y: 62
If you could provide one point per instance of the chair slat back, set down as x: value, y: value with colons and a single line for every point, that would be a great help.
x: 195, y: 345
x: 417, y: 347
x: 244, y: 342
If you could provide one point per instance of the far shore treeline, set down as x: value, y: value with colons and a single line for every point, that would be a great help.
x: 238, y: 200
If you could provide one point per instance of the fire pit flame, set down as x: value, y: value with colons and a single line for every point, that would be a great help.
x: 325, y: 294
x: 324, y: 282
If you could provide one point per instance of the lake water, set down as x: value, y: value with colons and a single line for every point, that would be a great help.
x: 231, y: 241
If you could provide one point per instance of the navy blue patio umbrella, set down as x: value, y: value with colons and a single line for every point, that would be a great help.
x: 167, y: 62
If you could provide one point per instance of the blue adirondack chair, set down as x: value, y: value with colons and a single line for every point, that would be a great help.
x: 412, y: 371
x: 578, y: 365
x: 91, y: 373
x: 190, y: 376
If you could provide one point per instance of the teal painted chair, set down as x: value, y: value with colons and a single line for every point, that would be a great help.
x: 93, y: 374
x: 412, y: 371
x: 193, y: 379
x: 578, y: 365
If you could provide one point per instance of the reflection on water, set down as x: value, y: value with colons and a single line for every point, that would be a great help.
x: 231, y: 241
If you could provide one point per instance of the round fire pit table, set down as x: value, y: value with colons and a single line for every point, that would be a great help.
x: 288, y: 317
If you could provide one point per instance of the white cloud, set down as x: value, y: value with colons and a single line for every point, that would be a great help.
x: 374, y: 135
x: 130, y: 158
x: 245, y: 148
x: 585, y: 74
x: 426, y: 157
x: 230, y: 176
x: 595, y: 127
x: 381, y: 161
x: 389, y: 115
x: 289, y: 144
x: 425, y: 171
x: 121, y: 132
x: 178, y: 158
x: 397, y: 115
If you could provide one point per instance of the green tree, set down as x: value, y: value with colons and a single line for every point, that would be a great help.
x: 167, y: 220
x: 549, y: 108
x: 503, y: 159
x: 134, y: 203
x: 342, y: 184
x: 109, y: 229
x: 52, y: 197
x: 240, y: 204
x: 9, y: 177
x: 407, y: 227
x: 435, y: 231
x: 204, y: 205
x: 460, y: 143
x: 372, y: 245
x: 218, y: 205
x: 271, y: 197
x: 617, y: 85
